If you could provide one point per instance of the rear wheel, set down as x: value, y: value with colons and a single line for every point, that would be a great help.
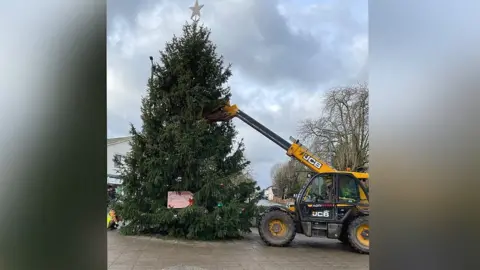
x: 359, y: 235
x: 277, y: 228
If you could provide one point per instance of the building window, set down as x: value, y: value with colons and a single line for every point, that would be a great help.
x: 117, y: 160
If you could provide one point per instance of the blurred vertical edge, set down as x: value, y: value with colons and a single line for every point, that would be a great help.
x: 424, y: 122
x: 52, y: 144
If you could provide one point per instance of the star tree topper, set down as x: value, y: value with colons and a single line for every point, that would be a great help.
x: 196, y: 11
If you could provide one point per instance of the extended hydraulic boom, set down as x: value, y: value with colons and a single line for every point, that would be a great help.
x: 294, y: 149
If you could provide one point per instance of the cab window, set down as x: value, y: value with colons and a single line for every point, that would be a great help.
x: 320, y: 189
x: 348, y: 189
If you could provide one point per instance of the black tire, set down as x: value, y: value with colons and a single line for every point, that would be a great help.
x: 268, y: 237
x: 356, y: 243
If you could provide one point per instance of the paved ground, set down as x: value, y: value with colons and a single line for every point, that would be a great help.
x: 136, y: 253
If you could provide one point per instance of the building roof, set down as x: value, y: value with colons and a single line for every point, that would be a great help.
x: 266, y: 203
x: 111, y: 141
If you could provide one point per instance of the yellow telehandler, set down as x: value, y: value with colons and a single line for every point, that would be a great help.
x: 332, y: 204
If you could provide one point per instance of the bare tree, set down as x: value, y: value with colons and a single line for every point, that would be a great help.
x: 341, y: 134
x: 274, y: 171
x: 288, y: 177
x: 279, y: 178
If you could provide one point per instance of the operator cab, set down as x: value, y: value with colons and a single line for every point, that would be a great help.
x: 327, y: 201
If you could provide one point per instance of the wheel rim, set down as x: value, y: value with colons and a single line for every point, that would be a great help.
x: 363, y: 234
x: 277, y: 227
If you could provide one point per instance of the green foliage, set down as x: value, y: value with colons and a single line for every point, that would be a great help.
x: 176, y: 143
x: 261, y: 209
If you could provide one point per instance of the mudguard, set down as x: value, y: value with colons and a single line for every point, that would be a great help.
x: 283, y: 208
x: 278, y: 207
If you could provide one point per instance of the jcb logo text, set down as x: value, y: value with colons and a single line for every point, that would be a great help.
x: 321, y: 214
x: 312, y: 161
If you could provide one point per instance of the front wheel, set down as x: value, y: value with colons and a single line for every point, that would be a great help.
x: 277, y: 228
x: 359, y: 235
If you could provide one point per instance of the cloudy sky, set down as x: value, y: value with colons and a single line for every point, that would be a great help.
x: 285, y: 55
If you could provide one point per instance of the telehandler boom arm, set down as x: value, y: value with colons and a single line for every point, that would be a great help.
x: 294, y: 149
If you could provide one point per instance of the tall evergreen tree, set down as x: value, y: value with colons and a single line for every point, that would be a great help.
x: 177, y: 150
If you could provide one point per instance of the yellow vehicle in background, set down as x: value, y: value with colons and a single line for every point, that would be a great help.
x: 332, y: 204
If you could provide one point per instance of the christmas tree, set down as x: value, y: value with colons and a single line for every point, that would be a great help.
x: 177, y: 150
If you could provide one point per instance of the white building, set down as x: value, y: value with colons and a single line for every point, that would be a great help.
x: 270, y: 192
x: 116, y: 146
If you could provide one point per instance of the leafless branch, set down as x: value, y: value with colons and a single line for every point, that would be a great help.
x: 342, y: 130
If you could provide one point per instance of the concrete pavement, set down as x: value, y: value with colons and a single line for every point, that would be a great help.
x: 150, y: 253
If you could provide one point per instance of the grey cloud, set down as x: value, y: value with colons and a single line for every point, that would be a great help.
x: 135, y: 71
x: 125, y: 8
x: 117, y: 125
x: 362, y: 75
x: 256, y: 38
x: 263, y: 153
x: 269, y: 52
x: 244, y: 32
